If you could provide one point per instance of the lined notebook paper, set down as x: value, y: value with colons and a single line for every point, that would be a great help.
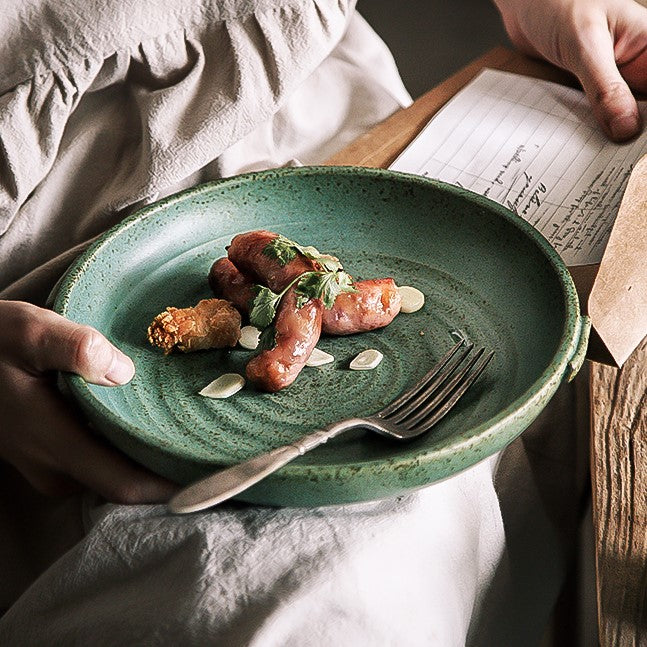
x: 534, y: 147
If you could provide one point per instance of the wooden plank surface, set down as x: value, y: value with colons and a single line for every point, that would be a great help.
x: 619, y: 480
x: 618, y: 397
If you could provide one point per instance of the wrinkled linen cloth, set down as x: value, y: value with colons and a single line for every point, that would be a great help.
x: 476, y: 560
x: 105, y: 107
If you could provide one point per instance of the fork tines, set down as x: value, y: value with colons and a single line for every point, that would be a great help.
x: 438, y: 391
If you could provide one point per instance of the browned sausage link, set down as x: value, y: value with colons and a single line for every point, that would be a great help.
x: 374, y: 305
x: 228, y: 282
x: 247, y: 253
x: 297, y: 333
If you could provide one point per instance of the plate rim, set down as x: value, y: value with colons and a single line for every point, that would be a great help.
x: 547, y: 381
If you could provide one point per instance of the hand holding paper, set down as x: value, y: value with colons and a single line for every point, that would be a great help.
x: 600, y: 41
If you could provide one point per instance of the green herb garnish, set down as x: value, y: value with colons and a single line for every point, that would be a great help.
x: 324, y: 285
x: 264, y: 306
x: 267, y: 339
x: 284, y: 250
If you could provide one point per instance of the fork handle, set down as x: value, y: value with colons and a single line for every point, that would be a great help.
x: 231, y: 481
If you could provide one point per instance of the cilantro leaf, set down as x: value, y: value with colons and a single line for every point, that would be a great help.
x: 326, y: 286
x: 267, y: 339
x: 326, y: 283
x: 281, y: 249
x: 284, y: 250
x: 308, y: 251
x: 263, y: 307
x: 301, y: 298
x: 329, y: 263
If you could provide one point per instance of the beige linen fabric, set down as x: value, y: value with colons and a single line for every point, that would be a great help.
x: 106, y: 106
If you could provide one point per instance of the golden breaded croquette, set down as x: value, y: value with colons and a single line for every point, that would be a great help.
x: 212, y: 323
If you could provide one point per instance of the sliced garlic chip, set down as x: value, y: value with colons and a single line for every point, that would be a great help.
x: 366, y: 360
x: 319, y: 357
x: 249, y: 336
x: 412, y: 298
x: 224, y: 386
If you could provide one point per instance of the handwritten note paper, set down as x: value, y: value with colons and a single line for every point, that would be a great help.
x: 534, y: 147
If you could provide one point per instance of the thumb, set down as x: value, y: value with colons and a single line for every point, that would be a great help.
x: 40, y: 340
x: 613, y: 103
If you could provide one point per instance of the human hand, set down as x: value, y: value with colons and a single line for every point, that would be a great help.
x: 602, y: 42
x: 39, y: 434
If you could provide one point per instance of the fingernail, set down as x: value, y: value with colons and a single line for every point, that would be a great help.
x: 624, y: 126
x: 122, y: 369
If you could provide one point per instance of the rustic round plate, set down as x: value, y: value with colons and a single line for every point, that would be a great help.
x: 487, y: 275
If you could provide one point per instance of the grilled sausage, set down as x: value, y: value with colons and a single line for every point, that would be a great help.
x: 297, y: 332
x: 248, y: 253
x: 227, y: 282
x: 374, y: 305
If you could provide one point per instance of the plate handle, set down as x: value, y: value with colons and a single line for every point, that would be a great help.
x: 578, y: 357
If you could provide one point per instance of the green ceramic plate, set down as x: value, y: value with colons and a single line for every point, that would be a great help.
x: 486, y: 275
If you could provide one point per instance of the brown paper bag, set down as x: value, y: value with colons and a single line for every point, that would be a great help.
x: 617, y: 303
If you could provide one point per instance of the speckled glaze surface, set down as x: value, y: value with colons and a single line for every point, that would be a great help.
x: 485, y: 274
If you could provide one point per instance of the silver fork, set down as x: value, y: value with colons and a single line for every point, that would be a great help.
x: 413, y: 413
